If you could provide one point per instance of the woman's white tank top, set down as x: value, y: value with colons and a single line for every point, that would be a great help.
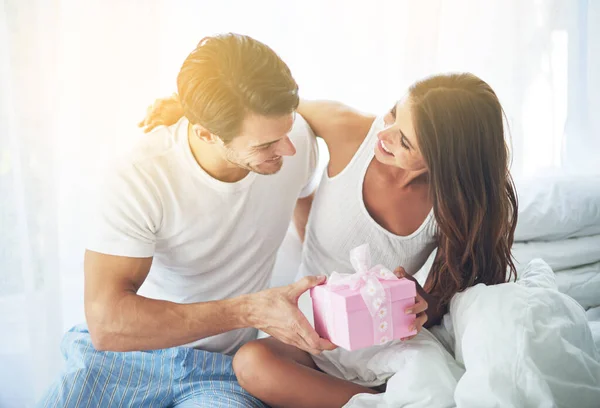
x: 339, y: 222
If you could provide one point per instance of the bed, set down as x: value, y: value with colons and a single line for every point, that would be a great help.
x: 559, y: 222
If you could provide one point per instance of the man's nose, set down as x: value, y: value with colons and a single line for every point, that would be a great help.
x: 286, y: 147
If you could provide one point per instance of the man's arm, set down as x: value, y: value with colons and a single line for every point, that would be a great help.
x: 121, y: 320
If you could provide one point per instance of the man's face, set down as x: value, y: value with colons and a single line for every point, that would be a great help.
x: 262, y: 143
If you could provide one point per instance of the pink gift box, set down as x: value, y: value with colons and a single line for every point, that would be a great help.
x: 350, y: 323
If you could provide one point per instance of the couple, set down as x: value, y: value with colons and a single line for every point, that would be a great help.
x: 188, y: 225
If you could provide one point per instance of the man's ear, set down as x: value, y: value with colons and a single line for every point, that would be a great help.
x: 204, y: 134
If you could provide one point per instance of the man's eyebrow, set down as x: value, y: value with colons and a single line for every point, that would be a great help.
x: 275, y: 141
x: 268, y: 143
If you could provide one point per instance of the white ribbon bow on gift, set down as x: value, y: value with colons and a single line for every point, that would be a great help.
x: 366, y: 278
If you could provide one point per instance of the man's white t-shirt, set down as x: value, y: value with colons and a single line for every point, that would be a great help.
x: 210, y: 240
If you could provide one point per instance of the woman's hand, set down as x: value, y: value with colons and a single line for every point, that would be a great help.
x: 421, y: 305
x: 164, y: 111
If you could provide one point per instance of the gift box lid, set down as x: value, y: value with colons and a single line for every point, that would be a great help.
x: 399, y: 289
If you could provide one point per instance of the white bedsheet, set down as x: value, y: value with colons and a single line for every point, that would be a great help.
x: 522, y: 345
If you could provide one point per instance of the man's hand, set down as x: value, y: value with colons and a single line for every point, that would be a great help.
x: 421, y: 305
x: 164, y: 111
x: 275, y: 311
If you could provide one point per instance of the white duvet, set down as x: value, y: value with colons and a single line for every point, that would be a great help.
x: 593, y: 316
x: 519, y: 344
x: 582, y: 284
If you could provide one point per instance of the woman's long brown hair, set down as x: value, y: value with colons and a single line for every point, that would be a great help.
x: 458, y: 121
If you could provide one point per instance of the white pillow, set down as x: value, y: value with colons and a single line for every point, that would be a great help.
x: 558, y: 207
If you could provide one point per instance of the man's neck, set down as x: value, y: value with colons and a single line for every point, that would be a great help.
x: 212, y: 162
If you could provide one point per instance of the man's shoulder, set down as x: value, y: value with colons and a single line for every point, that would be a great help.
x: 151, y: 158
x: 154, y: 146
x: 153, y: 154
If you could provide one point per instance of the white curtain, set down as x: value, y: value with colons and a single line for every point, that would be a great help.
x: 76, y: 76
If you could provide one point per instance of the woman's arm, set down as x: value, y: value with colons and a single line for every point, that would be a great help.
x: 435, y: 311
x: 328, y: 119
x: 301, y: 213
x: 342, y: 128
x: 334, y: 121
x: 163, y: 112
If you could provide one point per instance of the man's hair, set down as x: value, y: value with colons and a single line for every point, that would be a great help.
x: 229, y: 76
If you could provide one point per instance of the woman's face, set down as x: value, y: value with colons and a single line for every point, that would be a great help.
x: 397, y: 145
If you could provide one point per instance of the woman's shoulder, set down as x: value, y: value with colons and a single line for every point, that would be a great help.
x: 350, y: 127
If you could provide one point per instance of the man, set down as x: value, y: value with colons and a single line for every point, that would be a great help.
x: 185, y: 240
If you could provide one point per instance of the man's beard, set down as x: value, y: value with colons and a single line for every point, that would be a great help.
x: 274, y: 167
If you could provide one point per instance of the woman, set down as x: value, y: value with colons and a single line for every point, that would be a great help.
x: 433, y: 172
